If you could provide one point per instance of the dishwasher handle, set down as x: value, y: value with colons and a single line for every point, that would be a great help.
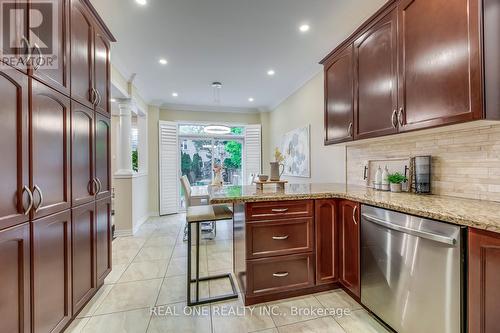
x: 418, y: 233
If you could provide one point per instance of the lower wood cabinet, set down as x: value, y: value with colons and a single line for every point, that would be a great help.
x: 326, y: 230
x: 349, y: 218
x: 484, y: 281
x: 83, y: 254
x: 51, y: 264
x: 15, y: 279
x: 103, y: 239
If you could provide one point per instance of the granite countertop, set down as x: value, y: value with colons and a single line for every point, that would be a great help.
x: 473, y: 213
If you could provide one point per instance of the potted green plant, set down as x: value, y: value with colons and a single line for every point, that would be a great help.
x: 396, y: 180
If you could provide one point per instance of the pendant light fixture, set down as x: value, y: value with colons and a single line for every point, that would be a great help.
x: 216, y: 87
x: 217, y: 129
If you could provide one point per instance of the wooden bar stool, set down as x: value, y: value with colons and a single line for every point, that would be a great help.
x: 194, y: 216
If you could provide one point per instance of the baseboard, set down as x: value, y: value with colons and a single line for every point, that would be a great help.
x: 123, y: 233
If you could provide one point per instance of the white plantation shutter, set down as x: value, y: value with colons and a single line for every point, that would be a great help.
x: 168, y: 168
x: 253, y: 151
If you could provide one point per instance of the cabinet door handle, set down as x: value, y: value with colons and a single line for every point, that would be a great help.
x: 94, y: 187
x: 99, y: 185
x: 365, y: 173
x: 394, y: 119
x: 280, y: 274
x: 28, y: 47
x: 354, y: 211
x: 30, y: 196
x: 349, y: 130
x: 401, y: 114
x: 280, y: 237
x: 92, y: 96
x: 280, y: 210
x: 39, y: 58
x: 99, y: 97
x: 40, y: 203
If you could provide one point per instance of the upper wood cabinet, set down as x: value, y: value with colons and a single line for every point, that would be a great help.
x: 82, y: 34
x: 349, y: 218
x: 51, y: 262
x: 50, y: 147
x: 327, y: 270
x: 417, y: 64
x: 339, y: 122
x: 440, y: 66
x: 484, y: 279
x: 102, y: 75
x: 15, y: 193
x: 376, y: 79
x: 19, y: 46
x: 57, y: 75
x: 15, y: 279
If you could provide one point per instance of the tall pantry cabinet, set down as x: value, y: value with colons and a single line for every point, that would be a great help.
x: 55, y: 195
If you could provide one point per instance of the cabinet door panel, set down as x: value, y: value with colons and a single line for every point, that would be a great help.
x: 349, y: 246
x: 102, y: 155
x: 103, y: 239
x: 50, y: 150
x: 339, y: 97
x: 440, y: 69
x: 326, y: 241
x: 81, y: 54
x: 484, y: 279
x: 56, y: 75
x: 16, y: 49
x: 13, y: 147
x: 15, y: 279
x: 102, y: 71
x: 82, y: 154
x: 83, y: 260
x: 52, y: 272
x: 376, y: 79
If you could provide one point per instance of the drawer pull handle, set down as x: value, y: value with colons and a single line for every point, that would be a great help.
x: 281, y: 210
x: 280, y: 237
x: 280, y: 274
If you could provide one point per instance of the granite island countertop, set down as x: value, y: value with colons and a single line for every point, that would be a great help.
x: 468, y: 212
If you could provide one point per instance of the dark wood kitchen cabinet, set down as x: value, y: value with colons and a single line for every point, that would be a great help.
x: 484, y: 279
x: 102, y: 74
x: 84, y: 184
x: 14, y: 136
x: 15, y: 279
x: 51, y: 263
x: 376, y: 78
x: 50, y: 146
x: 440, y: 66
x: 103, y: 155
x: 16, y: 49
x: 103, y: 239
x: 327, y: 229
x: 349, y: 218
x: 55, y: 74
x: 83, y: 254
x: 339, y: 97
x: 82, y: 34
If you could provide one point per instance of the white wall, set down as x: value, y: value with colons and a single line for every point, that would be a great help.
x: 306, y: 106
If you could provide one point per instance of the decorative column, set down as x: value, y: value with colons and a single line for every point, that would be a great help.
x: 124, y: 144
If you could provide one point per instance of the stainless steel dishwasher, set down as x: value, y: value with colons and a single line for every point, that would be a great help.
x: 412, y: 273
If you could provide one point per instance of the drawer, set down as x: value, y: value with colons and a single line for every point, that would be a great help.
x: 279, y: 209
x: 271, y: 275
x: 279, y: 237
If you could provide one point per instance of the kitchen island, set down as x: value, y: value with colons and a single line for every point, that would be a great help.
x: 306, y: 239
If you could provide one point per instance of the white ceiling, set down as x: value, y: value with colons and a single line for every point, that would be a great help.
x: 231, y: 41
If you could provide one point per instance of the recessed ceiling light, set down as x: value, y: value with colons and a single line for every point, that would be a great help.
x: 163, y: 61
x: 304, y: 28
x: 271, y: 72
x: 141, y: 2
x: 174, y: 94
x: 250, y: 99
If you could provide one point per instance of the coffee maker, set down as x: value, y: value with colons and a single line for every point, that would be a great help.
x: 422, y: 174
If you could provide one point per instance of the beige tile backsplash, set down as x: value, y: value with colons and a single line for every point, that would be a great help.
x: 466, y: 162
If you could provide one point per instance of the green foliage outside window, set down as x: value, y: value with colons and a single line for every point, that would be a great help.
x: 233, y: 148
x: 135, y: 160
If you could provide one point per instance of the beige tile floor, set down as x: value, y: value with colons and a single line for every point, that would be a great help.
x: 145, y: 292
